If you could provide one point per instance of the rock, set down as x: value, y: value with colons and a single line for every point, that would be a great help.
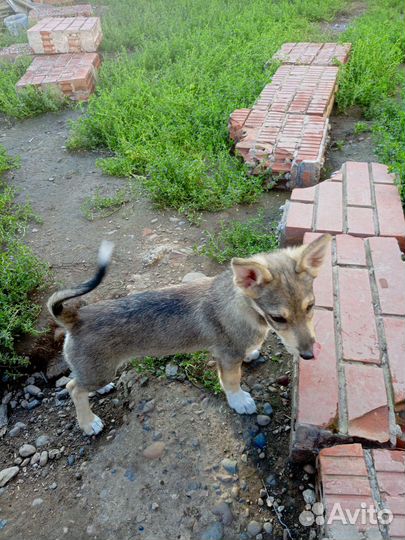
x: 267, y: 409
x: 26, y: 450
x: 253, y: 528
x: 32, y: 404
x: 57, y: 365
x: 171, y: 370
x: 35, y: 458
x: 106, y: 389
x: 16, y: 430
x: 25, y: 462
x: 53, y: 486
x: 33, y: 390
x: 223, y: 511
x: 37, y: 502
x: 214, y: 531
x: 267, y: 527
x: 62, y: 394
x: 71, y: 460
x: 309, y: 496
x: 148, y: 407
x: 42, y: 440
x: 7, y: 398
x: 193, y: 276
x: 3, y: 415
x: 309, y: 469
x: 62, y: 381
x: 54, y: 453
x: 7, y: 474
x: 230, y: 465
x: 260, y: 441
x: 283, y: 380
x: 263, y: 419
x: 43, y: 460
x: 156, y: 254
x: 155, y: 450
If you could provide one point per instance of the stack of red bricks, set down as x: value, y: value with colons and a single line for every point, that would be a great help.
x: 286, y: 130
x: 66, y: 48
x: 354, y: 391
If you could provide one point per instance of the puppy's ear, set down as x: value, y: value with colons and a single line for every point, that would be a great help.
x: 250, y: 275
x: 313, y: 255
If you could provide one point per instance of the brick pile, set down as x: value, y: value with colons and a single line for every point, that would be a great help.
x: 365, y: 487
x: 66, y: 47
x: 43, y: 11
x: 55, y: 35
x: 285, y: 132
x: 361, y: 199
x: 14, y: 52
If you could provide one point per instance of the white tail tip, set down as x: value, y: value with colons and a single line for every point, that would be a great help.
x: 105, y: 252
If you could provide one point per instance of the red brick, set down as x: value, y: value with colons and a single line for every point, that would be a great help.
x: 389, y: 461
x: 381, y: 174
x: 394, y: 329
x: 62, y: 71
x: 389, y: 272
x: 320, y: 373
x: 342, y: 450
x: 299, y: 220
x: 324, y: 54
x: 357, y: 183
x: 359, y: 333
x: 329, y: 216
x: 390, y: 213
x: 304, y: 194
x: 355, y: 466
x: 350, y: 250
x: 367, y: 403
x: 360, y: 221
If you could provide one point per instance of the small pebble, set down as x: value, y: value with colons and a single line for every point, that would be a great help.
x: 254, y: 528
x: 309, y: 496
x: 37, y: 502
x: 263, y: 419
x: 309, y: 469
x: 26, y: 450
x: 42, y: 440
x: 155, y: 450
x: 214, y: 531
x: 230, y: 465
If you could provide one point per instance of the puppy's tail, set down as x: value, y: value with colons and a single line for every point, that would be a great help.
x: 55, y: 303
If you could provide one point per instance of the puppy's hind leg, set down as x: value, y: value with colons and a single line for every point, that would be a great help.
x: 229, y: 373
x: 88, y: 421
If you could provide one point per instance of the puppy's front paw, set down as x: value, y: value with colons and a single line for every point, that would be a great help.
x: 242, y: 402
x: 94, y: 427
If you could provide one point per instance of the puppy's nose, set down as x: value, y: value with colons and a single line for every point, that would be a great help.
x: 307, y: 355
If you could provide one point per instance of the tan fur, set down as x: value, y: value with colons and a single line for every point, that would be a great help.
x: 229, y: 315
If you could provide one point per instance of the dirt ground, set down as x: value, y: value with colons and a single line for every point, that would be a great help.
x: 104, y: 487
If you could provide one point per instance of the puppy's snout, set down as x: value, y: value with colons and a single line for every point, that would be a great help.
x: 307, y: 355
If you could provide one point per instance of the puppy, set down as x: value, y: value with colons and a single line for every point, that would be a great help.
x: 229, y: 315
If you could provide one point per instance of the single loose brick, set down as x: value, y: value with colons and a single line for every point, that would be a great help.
x: 389, y: 271
x: 381, y: 175
x: 321, y: 374
x: 357, y: 183
x: 359, y: 333
x: 299, y: 219
x: 367, y: 403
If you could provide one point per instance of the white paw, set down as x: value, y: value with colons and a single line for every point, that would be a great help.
x: 106, y: 389
x: 242, y: 402
x: 254, y: 355
x: 94, y: 427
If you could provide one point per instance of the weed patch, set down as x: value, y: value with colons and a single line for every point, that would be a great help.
x: 162, y: 106
x: 21, y: 273
x: 28, y: 102
x: 101, y: 206
x: 238, y: 239
x: 192, y: 367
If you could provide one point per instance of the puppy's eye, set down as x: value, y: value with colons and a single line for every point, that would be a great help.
x: 310, y: 307
x: 279, y: 320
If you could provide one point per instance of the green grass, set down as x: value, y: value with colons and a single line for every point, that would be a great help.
x: 101, y: 206
x: 28, y: 102
x: 192, y: 367
x: 237, y: 239
x: 378, y: 50
x: 389, y: 136
x: 372, y: 77
x: 162, y: 105
x: 21, y: 273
